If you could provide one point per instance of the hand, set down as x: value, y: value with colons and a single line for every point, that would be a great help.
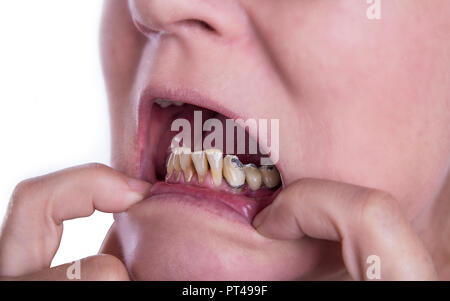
x: 365, y: 221
x: 33, y: 226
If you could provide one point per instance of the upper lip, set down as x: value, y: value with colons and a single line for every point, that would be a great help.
x: 187, y: 96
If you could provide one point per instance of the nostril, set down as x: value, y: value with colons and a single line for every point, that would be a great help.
x: 206, y: 26
x: 192, y: 23
x: 199, y: 23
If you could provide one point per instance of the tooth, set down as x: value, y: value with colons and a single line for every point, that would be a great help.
x: 186, y: 164
x: 170, y: 166
x: 233, y: 171
x: 215, y: 160
x: 201, y: 165
x: 164, y: 103
x: 176, y: 162
x: 253, y: 176
x: 270, y: 176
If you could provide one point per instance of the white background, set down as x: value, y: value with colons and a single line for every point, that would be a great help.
x: 53, y: 111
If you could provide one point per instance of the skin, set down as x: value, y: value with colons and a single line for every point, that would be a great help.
x: 37, y: 209
x: 367, y: 103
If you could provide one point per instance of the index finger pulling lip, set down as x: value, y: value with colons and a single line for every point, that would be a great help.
x: 78, y: 191
x: 365, y: 221
x: 67, y: 194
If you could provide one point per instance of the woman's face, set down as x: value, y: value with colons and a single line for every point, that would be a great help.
x: 358, y: 101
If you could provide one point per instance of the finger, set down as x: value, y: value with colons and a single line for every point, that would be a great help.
x: 33, y: 227
x: 367, y: 222
x: 94, y: 268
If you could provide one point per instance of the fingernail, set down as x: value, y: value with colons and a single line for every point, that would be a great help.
x: 258, y: 220
x: 139, y: 187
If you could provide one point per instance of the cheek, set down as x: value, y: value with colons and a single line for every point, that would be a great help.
x: 375, y: 98
x: 121, y: 46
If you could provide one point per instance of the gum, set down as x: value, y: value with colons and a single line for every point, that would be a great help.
x: 208, y: 183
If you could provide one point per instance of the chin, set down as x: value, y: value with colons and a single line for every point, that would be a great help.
x: 166, y: 238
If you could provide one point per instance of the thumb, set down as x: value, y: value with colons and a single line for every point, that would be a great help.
x: 94, y: 268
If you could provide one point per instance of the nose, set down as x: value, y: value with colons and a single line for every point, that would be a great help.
x: 182, y: 17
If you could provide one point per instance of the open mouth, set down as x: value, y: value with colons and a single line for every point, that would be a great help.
x: 223, y: 177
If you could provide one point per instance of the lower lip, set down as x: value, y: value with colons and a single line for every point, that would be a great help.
x: 223, y: 204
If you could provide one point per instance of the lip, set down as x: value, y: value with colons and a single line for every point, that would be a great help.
x: 189, y: 96
x: 224, y: 204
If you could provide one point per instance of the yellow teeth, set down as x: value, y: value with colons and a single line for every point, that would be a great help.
x: 233, y: 171
x: 176, y: 162
x: 270, y: 176
x: 215, y: 160
x: 201, y: 165
x: 253, y: 176
x: 186, y: 164
x: 170, y: 162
